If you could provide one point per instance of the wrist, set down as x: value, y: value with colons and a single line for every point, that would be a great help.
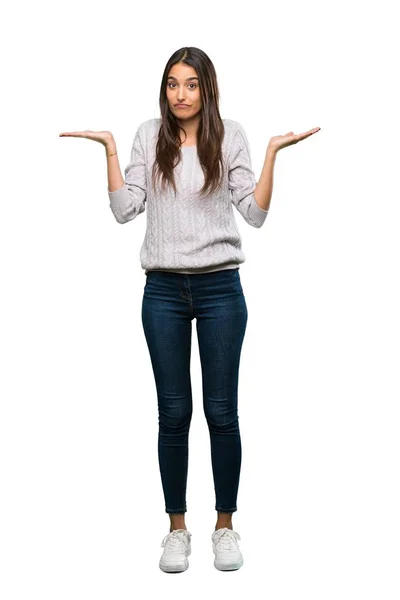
x: 110, y: 145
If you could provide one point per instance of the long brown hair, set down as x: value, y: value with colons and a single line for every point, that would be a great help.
x: 210, y: 132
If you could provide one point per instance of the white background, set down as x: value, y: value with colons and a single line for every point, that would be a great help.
x: 81, y: 505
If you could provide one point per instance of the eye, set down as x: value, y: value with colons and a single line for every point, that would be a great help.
x: 173, y: 83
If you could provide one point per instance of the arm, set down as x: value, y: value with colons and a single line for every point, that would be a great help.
x: 242, y: 182
x: 127, y: 198
x: 263, y: 191
x: 114, y: 176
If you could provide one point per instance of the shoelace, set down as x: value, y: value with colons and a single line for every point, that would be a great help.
x: 226, y: 539
x: 176, y: 541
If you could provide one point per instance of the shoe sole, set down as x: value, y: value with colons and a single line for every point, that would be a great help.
x: 228, y: 567
x: 175, y: 568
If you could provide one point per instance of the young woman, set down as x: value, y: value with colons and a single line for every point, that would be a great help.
x: 189, y: 168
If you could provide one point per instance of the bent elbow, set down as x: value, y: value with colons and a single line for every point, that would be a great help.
x: 127, y: 203
x: 123, y: 214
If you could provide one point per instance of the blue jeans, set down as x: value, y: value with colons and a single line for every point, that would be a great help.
x: 170, y: 302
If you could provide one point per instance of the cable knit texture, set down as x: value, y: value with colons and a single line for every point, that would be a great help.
x: 187, y: 232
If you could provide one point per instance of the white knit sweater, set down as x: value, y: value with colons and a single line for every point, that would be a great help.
x: 186, y: 232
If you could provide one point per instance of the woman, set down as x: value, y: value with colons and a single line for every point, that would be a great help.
x: 189, y: 167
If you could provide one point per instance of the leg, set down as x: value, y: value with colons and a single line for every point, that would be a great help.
x: 224, y: 520
x: 221, y: 326
x: 177, y: 521
x: 168, y: 328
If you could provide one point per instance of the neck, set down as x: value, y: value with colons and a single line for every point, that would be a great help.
x: 190, y: 126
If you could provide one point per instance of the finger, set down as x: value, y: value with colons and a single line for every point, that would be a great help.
x: 72, y: 133
x: 307, y: 134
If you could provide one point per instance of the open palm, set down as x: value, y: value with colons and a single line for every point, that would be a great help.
x: 103, y: 137
x: 281, y: 141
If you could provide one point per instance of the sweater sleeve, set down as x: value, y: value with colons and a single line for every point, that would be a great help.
x: 242, y: 182
x: 128, y: 202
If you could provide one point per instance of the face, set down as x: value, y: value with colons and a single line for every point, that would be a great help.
x: 183, y: 87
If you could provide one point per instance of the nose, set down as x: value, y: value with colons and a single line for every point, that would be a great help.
x: 181, y: 95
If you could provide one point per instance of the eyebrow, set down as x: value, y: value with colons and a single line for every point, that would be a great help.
x: 187, y: 78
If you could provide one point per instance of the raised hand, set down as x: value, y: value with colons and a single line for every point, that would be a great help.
x: 281, y: 141
x: 103, y: 137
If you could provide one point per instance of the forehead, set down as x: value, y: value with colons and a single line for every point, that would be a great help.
x: 183, y: 72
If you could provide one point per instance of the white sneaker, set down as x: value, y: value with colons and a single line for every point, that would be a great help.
x: 225, y: 547
x: 177, y: 548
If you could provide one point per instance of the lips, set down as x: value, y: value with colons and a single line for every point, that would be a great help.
x: 181, y: 106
